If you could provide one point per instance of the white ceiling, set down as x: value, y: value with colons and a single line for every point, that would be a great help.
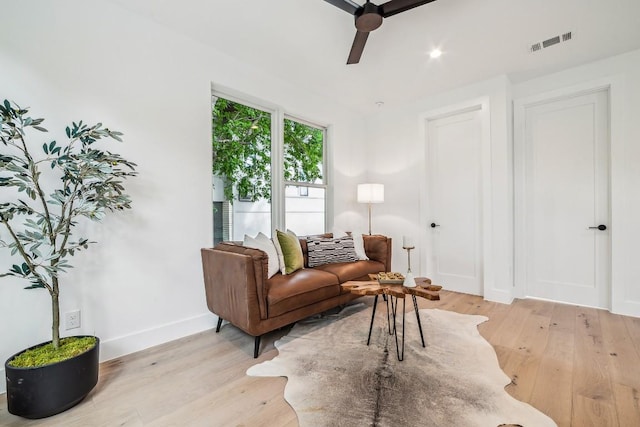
x: 307, y: 41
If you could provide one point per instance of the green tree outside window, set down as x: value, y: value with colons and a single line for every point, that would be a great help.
x: 242, y: 151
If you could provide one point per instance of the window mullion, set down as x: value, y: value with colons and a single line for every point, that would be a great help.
x: 327, y: 180
x: 277, y: 170
x: 304, y: 184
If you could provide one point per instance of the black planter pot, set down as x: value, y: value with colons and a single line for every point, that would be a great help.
x: 48, y: 390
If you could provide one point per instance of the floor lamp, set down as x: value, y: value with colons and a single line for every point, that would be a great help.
x: 370, y: 193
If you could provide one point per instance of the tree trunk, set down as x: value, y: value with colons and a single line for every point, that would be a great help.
x: 55, y: 308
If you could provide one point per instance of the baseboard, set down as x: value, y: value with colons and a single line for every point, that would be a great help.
x: 499, y: 295
x: 141, y: 340
x: 627, y: 308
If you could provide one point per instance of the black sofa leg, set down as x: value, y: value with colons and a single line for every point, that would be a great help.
x: 256, y: 347
x: 219, y: 324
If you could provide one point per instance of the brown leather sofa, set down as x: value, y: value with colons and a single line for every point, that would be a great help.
x: 237, y: 288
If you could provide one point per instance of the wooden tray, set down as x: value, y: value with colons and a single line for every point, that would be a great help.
x: 396, y: 281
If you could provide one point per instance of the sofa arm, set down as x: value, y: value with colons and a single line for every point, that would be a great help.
x: 234, y: 283
x: 378, y: 248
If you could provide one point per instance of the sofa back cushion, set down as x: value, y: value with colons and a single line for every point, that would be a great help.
x: 322, y: 251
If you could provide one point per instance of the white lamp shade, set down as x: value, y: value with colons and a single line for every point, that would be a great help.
x: 370, y: 193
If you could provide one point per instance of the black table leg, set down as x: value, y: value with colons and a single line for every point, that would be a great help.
x: 373, y: 315
x: 415, y: 306
x: 400, y: 354
x: 390, y: 315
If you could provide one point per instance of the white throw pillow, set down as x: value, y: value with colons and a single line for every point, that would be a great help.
x: 358, y: 245
x: 265, y: 244
x: 274, y: 261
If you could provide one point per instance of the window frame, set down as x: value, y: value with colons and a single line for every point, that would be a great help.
x: 278, y: 184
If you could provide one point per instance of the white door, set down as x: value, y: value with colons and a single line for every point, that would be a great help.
x: 566, y: 149
x: 454, y: 199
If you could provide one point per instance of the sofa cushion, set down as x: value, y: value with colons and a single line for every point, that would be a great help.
x: 358, y: 245
x: 358, y: 241
x: 291, y: 251
x: 330, y: 251
x: 299, y: 289
x: 303, y: 245
x: 265, y: 244
x: 358, y: 270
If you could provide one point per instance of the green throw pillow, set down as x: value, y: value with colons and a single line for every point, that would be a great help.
x: 291, y: 251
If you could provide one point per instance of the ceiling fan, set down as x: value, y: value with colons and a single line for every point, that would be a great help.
x: 369, y: 17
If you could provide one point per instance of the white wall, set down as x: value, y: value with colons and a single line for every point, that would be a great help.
x: 397, y: 151
x: 141, y: 285
x: 397, y: 157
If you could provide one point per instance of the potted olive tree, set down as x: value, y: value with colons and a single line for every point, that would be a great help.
x: 42, y: 197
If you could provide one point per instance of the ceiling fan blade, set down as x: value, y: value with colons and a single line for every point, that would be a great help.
x: 357, y: 47
x: 346, y: 5
x: 394, y: 7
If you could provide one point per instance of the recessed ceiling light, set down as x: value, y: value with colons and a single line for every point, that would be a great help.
x: 435, y: 53
x: 379, y: 103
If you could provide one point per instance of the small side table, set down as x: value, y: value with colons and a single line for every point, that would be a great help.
x: 424, y: 289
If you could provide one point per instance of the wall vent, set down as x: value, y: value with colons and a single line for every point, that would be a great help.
x: 551, y: 41
x: 535, y: 47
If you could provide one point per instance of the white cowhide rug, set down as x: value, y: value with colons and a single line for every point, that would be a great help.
x: 334, y: 379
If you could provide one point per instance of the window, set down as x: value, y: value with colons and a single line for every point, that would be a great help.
x: 268, y: 170
x: 305, y: 192
x: 241, y: 169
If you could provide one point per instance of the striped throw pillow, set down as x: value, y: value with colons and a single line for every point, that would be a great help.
x: 330, y: 250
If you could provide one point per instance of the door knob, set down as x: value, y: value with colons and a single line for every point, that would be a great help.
x: 434, y: 225
x: 600, y: 227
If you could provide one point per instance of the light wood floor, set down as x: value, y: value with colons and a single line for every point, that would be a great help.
x: 580, y: 366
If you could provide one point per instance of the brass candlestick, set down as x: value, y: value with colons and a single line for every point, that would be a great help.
x: 409, y: 280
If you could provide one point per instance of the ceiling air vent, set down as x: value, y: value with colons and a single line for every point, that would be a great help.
x: 535, y: 47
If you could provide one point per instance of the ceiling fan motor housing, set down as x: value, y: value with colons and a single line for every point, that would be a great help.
x: 369, y: 17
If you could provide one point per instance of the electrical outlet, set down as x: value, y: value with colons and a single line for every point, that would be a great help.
x: 72, y: 319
